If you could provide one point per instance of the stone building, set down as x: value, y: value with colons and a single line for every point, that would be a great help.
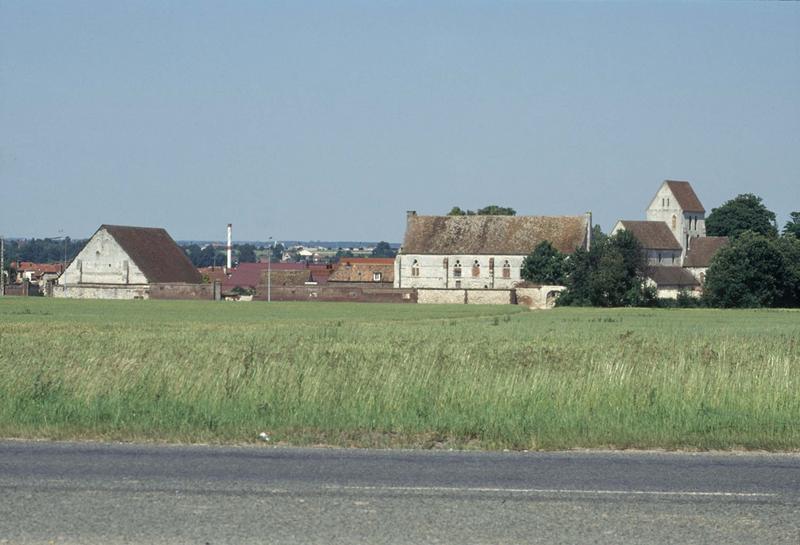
x: 121, y: 262
x: 677, y: 205
x: 660, y: 245
x: 699, y: 256
x: 674, y: 239
x: 374, y: 270
x: 479, y: 252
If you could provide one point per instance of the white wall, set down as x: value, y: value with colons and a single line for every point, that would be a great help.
x: 664, y: 207
x: 433, y: 274
x: 102, y: 261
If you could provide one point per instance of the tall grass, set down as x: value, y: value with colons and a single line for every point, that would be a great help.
x: 400, y: 375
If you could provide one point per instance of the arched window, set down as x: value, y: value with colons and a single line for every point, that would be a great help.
x: 506, y: 269
x: 415, y: 268
x: 457, y: 269
x: 476, y: 268
x: 674, y: 221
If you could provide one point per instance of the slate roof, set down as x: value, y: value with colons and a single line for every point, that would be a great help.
x: 154, y: 252
x: 362, y: 269
x: 671, y: 276
x: 702, y: 249
x: 685, y: 195
x: 487, y: 235
x: 652, y: 235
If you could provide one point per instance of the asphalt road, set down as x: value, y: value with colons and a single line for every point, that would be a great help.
x: 118, y: 493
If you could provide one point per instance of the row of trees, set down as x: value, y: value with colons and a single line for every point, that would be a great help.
x: 42, y: 250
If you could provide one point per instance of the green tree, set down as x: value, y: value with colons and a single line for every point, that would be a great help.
x: 792, y: 227
x: 752, y: 271
x: 545, y: 265
x: 383, y: 249
x: 247, y: 253
x: 744, y: 213
x: 495, y: 210
x: 491, y: 210
x: 611, y: 274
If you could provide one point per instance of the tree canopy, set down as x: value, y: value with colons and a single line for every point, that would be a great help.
x: 792, y: 227
x: 383, y: 249
x: 545, y: 265
x: 755, y: 270
x: 246, y: 253
x: 491, y: 210
x: 610, y: 274
x: 746, y: 212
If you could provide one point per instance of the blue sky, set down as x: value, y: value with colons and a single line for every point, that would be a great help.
x: 328, y: 120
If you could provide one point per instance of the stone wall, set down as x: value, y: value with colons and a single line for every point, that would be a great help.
x: 337, y: 293
x: 102, y: 261
x: 460, y: 297
x: 185, y: 291
x: 538, y: 297
x: 100, y: 291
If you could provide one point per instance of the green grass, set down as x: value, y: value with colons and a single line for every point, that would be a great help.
x: 399, y: 375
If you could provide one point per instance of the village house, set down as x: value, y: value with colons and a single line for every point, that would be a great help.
x: 480, y: 252
x: 120, y: 262
x: 36, y: 273
x: 374, y: 270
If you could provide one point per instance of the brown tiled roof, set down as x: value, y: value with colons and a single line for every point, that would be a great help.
x: 685, y: 195
x: 485, y: 235
x: 154, y: 252
x: 652, y: 235
x: 671, y: 276
x: 702, y: 249
x: 362, y: 270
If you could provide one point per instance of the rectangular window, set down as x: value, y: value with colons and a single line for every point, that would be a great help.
x: 376, y: 277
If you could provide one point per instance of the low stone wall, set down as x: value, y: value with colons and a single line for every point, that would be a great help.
x: 100, y: 291
x: 538, y: 297
x: 327, y: 292
x: 205, y: 292
x: 461, y: 296
x: 179, y: 291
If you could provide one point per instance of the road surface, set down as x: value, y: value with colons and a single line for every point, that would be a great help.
x: 94, y: 493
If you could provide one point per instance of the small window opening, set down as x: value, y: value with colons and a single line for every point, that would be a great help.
x: 457, y: 270
x: 506, y: 269
x: 476, y: 268
x: 414, y: 268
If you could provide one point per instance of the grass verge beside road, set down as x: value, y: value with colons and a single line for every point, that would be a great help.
x: 399, y: 375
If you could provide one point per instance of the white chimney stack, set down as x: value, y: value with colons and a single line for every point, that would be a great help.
x: 229, y: 247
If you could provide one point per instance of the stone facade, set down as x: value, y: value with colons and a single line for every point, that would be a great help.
x: 538, y: 297
x: 676, y: 204
x: 465, y: 296
x: 458, y: 271
x: 102, y: 261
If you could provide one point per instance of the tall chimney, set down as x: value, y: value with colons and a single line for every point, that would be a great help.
x: 229, y: 247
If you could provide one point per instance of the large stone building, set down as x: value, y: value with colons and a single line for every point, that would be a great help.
x: 121, y: 262
x: 479, y: 252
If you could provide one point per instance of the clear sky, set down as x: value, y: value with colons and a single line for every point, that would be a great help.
x: 306, y: 120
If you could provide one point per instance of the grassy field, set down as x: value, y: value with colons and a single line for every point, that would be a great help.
x: 399, y: 375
